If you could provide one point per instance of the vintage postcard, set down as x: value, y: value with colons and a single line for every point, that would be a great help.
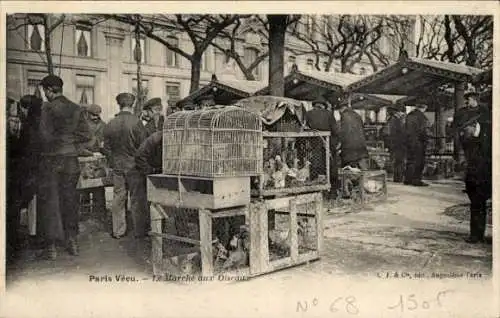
x: 249, y: 159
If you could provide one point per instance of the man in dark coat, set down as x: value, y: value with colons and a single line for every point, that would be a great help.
x: 96, y: 125
x: 122, y: 137
x: 156, y: 118
x: 353, y: 150
x: 475, y: 135
x: 63, y: 127
x: 319, y: 118
x: 396, y: 140
x: 417, y: 134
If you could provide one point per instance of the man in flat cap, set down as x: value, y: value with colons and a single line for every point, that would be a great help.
x: 353, y: 150
x: 62, y: 129
x: 396, y: 140
x: 474, y: 131
x: 154, y: 109
x: 417, y: 135
x: 122, y: 137
x: 321, y: 119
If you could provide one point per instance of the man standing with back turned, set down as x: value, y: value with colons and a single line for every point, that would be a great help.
x: 62, y: 127
x: 122, y: 137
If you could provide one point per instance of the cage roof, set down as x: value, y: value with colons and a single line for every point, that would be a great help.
x: 413, y: 77
x: 224, y: 92
x: 309, y: 85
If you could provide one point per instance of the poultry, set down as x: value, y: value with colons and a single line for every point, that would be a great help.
x: 292, y: 172
x: 269, y: 169
x: 238, y: 257
x: 279, y: 175
x: 304, y: 173
x: 281, y: 239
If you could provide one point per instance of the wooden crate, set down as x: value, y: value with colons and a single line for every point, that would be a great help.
x: 94, y: 173
x: 198, y: 192
x: 257, y: 218
x: 357, y: 188
x: 308, y: 147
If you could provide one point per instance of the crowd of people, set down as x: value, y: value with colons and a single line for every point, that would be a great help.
x: 45, y: 140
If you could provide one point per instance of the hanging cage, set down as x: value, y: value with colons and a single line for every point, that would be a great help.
x: 213, y: 142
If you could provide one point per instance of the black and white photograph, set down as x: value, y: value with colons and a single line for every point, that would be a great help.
x: 249, y: 159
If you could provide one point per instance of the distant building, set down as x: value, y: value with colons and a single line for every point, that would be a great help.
x: 96, y: 62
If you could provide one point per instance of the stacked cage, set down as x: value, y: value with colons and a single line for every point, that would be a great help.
x: 214, y: 142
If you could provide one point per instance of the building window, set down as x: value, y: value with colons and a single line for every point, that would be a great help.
x: 309, y: 25
x: 36, y: 37
x: 250, y: 55
x: 83, y: 42
x: 326, y: 25
x: 325, y: 65
x: 34, y: 88
x: 173, y: 91
x: 172, y: 57
x: 144, y: 91
x: 142, y: 42
x: 310, y: 64
x: 206, y: 61
x: 291, y: 61
x: 85, y: 89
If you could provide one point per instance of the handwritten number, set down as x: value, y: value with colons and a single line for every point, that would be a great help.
x: 332, y: 306
x: 400, y: 304
x: 351, y: 307
x: 412, y: 300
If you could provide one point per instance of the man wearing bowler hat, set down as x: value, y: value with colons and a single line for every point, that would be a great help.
x: 154, y: 109
x: 62, y: 128
x: 122, y: 137
x: 417, y: 135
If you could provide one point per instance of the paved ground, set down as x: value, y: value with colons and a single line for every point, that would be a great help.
x: 379, y: 255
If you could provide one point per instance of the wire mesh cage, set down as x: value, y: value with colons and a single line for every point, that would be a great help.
x: 358, y: 187
x: 294, y: 163
x: 213, y: 142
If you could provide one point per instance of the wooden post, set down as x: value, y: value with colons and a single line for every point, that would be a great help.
x: 156, y: 240
x: 459, y: 103
x: 319, y: 222
x: 438, y: 122
x: 205, y: 221
x: 294, y: 243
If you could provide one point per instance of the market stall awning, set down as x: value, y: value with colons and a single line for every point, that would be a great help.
x: 224, y: 92
x: 310, y: 85
x: 485, y: 77
x: 413, y: 77
x: 373, y: 102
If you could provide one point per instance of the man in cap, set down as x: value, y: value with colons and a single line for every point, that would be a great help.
x: 396, y: 139
x: 320, y: 118
x: 122, y: 137
x: 475, y: 133
x: 417, y: 134
x: 62, y: 129
x: 353, y: 150
x: 154, y: 109
x: 96, y: 125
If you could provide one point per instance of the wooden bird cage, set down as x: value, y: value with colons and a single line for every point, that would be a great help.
x: 213, y: 142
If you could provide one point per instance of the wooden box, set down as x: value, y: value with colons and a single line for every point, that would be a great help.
x: 198, y: 192
x: 360, y: 187
x: 94, y: 172
x: 262, y: 225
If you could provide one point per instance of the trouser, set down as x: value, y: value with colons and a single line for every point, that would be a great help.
x: 131, y: 182
x: 334, y: 176
x: 58, y: 199
x: 398, y: 159
x: 478, y: 198
x: 415, y: 165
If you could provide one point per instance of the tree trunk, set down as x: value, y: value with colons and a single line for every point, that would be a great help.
x: 195, y: 72
x: 48, y: 48
x: 277, y: 29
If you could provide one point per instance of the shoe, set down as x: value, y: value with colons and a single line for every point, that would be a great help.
x: 473, y: 240
x: 52, y: 252
x: 73, y: 247
x: 117, y: 237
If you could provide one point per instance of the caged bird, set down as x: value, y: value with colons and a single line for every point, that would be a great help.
x: 279, y: 175
x: 239, y: 256
x: 269, y: 169
x: 304, y: 173
x: 281, y: 239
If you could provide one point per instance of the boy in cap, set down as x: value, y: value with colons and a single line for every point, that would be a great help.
x: 62, y: 128
x: 122, y: 137
x: 154, y: 109
x: 417, y: 134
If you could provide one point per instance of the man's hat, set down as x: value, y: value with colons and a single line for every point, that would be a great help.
x: 94, y: 109
x: 421, y: 106
x: 320, y: 101
x: 125, y: 99
x: 52, y: 81
x: 152, y: 102
x: 28, y: 101
x: 396, y: 107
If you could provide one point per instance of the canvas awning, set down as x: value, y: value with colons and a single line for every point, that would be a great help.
x: 413, y: 77
x: 224, y: 92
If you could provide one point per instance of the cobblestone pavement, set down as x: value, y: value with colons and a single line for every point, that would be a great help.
x: 409, y: 236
